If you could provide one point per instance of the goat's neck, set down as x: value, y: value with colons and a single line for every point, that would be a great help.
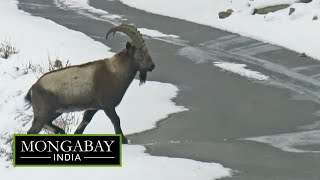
x: 123, y: 67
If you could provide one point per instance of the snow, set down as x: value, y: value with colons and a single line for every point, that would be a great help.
x: 155, y: 33
x: 298, y: 142
x: 136, y: 165
x: 297, y: 32
x: 40, y: 40
x: 82, y: 7
x: 241, y: 70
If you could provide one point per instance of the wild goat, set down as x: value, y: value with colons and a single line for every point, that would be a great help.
x: 97, y: 85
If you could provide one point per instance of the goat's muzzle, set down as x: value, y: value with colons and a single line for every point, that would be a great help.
x: 151, y: 67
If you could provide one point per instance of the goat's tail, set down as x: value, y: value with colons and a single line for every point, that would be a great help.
x: 27, y: 98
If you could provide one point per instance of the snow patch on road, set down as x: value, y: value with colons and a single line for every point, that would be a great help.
x: 169, y: 38
x: 241, y: 70
x: 300, y: 142
x: 155, y: 33
x: 82, y: 7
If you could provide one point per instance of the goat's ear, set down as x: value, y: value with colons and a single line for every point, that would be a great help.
x: 130, y: 48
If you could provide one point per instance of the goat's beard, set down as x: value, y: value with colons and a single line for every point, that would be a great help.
x: 142, y: 77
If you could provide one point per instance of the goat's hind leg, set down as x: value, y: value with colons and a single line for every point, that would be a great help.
x: 55, y: 129
x: 40, y: 122
x: 37, y: 126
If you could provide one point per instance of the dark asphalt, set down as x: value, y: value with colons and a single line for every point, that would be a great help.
x: 223, y: 107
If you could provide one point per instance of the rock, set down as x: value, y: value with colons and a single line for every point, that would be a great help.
x: 225, y: 14
x: 269, y: 9
x: 304, y: 1
x: 315, y: 18
x: 291, y: 10
x: 229, y: 11
x: 303, y: 55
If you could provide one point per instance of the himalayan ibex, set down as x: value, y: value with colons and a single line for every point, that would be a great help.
x: 97, y: 85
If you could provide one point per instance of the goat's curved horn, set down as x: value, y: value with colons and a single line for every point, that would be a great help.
x: 131, y: 31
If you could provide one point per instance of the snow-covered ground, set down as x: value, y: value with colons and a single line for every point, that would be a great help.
x: 38, y: 40
x: 297, y: 31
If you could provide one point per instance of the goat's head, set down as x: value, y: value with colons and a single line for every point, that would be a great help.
x: 136, y: 50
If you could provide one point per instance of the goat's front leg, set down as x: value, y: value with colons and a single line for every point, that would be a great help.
x: 87, y: 117
x: 112, y: 114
